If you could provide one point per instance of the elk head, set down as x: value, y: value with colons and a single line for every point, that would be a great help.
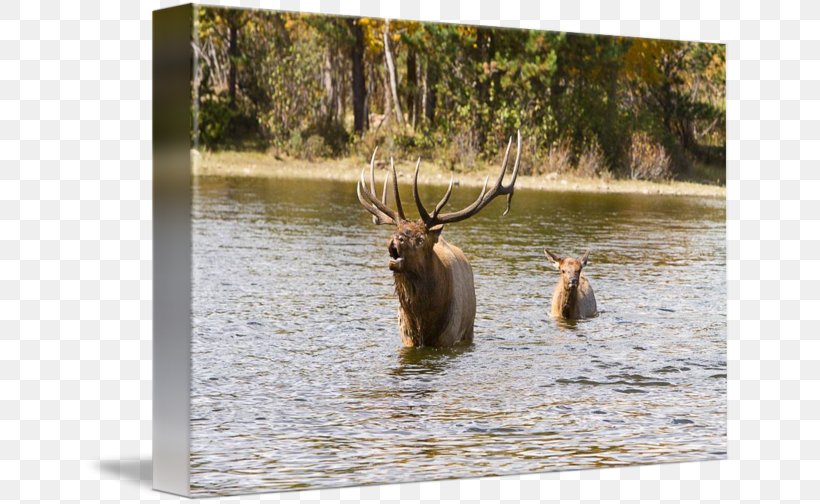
x: 570, y: 268
x: 411, y: 246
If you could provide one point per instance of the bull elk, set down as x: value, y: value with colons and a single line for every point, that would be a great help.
x: 433, y: 279
x: 573, y: 297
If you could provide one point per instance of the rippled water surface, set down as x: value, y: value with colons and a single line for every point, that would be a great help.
x: 300, y: 380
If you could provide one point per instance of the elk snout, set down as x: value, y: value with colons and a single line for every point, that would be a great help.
x: 572, y: 281
x: 394, y: 248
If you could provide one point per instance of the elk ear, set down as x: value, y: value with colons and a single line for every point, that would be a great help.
x: 584, y: 259
x: 552, y: 258
x: 435, y: 231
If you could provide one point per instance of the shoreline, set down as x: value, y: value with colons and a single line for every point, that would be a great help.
x: 252, y: 164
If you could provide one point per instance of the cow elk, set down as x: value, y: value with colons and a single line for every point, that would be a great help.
x: 433, y: 279
x: 573, y: 297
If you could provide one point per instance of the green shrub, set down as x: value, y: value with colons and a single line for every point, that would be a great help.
x: 295, y: 144
x: 334, y: 136
x: 314, y: 148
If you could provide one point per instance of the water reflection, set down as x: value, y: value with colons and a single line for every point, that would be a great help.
x: 427, y: 360
x: 300, y: 380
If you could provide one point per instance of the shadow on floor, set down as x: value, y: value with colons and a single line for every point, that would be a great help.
x: 129, y: 470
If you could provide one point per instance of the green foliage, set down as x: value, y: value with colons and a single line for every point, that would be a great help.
x: 334, y: 136
x: 224, y: 126
x: 294, y: 144
x: 215, y: 119
x: 314, y: 148
x: 591, y: 105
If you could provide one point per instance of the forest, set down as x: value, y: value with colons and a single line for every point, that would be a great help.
x: 318, y: 87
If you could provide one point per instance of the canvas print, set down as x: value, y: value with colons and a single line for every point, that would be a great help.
x: 423, y: 251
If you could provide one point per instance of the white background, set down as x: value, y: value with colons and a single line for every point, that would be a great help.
x: 75, y: 250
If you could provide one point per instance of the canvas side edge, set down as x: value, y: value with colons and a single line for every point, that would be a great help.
x: 173, y: 60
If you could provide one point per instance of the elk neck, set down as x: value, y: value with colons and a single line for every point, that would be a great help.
x: 424, y: 298
x: 568, y: 299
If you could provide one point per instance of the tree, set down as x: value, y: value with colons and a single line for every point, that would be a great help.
x: 391, y: 72
x: 455, y: 92
x: 359, y: 90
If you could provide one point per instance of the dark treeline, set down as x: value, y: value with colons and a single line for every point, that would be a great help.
x: 318, y: 86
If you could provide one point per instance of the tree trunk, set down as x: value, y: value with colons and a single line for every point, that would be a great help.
x: 386, y: 99
x: 482, y: 87
x: 412, y: 87
x: 391, y: 71
x: 430, y: 80
x: 359, y: 89
x: 422, y: 106
x: 329, y: 103
x: 233, y: 55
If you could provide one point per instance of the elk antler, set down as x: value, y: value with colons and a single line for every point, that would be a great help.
x: 483, y: 200
x: 382, y: 214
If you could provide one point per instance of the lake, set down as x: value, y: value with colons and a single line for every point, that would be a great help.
x: 299, y: 378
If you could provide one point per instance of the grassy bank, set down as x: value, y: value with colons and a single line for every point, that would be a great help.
x: 252, y: 164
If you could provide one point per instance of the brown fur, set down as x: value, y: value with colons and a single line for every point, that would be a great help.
x: 434, y: 281
x: 435, y: 288
x: 573, y: 297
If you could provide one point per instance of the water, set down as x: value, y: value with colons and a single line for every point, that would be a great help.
x: 300, y: 380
